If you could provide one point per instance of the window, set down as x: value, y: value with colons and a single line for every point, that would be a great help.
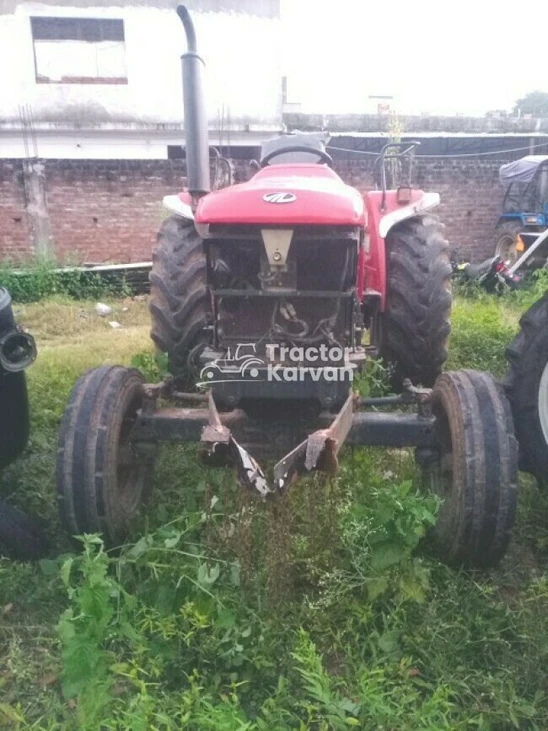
x: 79, y: 51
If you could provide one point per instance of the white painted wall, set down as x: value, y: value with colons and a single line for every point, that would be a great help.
x: 243, y: 75
x: 108, y: 143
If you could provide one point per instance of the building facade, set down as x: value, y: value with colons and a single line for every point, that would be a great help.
x: 103, y: 81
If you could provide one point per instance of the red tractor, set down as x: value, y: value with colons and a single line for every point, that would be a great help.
x: 262, y: 294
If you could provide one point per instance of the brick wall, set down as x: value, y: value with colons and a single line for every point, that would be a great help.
x: 109, y: 211
x: 103, y: 211
x: 15, y: 235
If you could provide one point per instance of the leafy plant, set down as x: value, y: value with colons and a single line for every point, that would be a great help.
x: 34, y: 280
x: 98, y: 605
x: 324, y: 705
x: 152, y: 365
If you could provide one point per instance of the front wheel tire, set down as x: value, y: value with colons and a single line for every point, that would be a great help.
x: 506, y: 246
x: 474, y: 471
x: 101, y: 480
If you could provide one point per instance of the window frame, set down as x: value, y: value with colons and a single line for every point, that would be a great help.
x: 98, y: 30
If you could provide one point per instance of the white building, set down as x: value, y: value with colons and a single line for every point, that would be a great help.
x: 104, y: 80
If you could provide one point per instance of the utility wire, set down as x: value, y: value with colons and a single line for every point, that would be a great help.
x: 462, y: 154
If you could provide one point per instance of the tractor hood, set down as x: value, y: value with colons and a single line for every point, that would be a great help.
x: 282, y: 195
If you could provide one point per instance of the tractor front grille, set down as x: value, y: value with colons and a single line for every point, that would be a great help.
x: 311, y: 302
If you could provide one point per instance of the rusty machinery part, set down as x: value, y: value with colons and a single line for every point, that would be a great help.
x: 474, y: 470
x: 413, y: 332
x: 526, y: 384
x: 103, y: 475
x: 507, y: 241
x: 22, y: 536
x: 223, y: 434
x: 180, y: 305
x: 220, y: 443
x: 319, y: 451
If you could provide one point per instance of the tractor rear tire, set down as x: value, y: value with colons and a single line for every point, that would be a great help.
x: 526, y: 384
x: 180, y: 305
x: 413, y: 332
x: 475, y: 470
x: 101, y: 480
x: 508, y: 240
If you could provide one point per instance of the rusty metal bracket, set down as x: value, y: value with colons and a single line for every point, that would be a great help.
x: 214, y: 433
x: 319, y: 451
x: 220, y: 443
x: 422, y: 397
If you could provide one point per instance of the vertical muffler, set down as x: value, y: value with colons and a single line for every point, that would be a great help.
x: 196, y: 127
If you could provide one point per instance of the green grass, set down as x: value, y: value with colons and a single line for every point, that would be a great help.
x: 324, y: 610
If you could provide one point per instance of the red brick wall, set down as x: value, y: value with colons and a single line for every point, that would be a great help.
x: 15, y: 237
x: 109, y: 211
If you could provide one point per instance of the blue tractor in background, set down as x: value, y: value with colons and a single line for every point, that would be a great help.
x: 525, y: 209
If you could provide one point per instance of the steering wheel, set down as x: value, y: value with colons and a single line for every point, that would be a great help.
x: 322, y: 154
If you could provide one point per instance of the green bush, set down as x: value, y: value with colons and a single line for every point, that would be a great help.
x: 42, y: 278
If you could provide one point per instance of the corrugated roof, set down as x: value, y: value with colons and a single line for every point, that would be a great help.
x: 260, y: 8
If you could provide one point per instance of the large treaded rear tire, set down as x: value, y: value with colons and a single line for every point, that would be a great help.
x: 475, y: 471
x: 180, y: 305
x: 526, y: 384
x: 415, y: 327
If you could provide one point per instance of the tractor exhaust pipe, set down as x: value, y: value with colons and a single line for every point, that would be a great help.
x: 196, y: 128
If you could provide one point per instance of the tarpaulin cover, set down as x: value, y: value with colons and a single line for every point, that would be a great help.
x: 521, y: 171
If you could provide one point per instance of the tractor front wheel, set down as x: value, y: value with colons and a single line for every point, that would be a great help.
x: 180, y: 305
x: 413, y: 332
x: 506, y: 247
x: 527, y: 388
x: 102, y: 479
x: 474, y: 471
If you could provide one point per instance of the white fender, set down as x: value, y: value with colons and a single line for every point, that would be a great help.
x: 428, y: 201
x: 174, y: 204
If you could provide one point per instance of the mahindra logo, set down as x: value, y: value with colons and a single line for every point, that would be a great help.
x: 279, y: 197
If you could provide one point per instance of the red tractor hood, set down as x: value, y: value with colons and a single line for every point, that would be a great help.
x: 285, y: 195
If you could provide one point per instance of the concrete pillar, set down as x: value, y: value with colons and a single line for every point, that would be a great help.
x: 34, y: 173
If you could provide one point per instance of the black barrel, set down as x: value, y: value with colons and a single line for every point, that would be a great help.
x: 14, y: 405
